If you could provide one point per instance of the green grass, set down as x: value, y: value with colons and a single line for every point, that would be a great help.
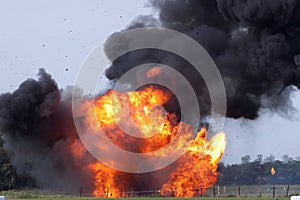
x: 47, y: 195
x: 143, y: 198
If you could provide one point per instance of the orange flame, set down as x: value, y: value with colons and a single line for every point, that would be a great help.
x: 104, y: 181
x: 142, y: 112
x: 273, y: 172
x: 197, y: 168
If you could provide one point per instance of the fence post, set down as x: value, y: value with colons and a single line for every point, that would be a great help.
x: 201, y: 192
x: 239, y: 191
x: 214, y: 191
x: 287, y: 191
x: 274, y: 191
x: 80, y: 193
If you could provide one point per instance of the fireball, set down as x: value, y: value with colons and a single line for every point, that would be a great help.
x: 141, y: 113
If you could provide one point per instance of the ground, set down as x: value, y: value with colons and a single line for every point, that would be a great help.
x: 44, y: 195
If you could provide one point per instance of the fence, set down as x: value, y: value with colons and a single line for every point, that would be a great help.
x: 228, y: 191
x: 215, y: 191
x: 254, y: 190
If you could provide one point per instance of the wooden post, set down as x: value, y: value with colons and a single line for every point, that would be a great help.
x: 287, y: 191
x: 201, y: 193
x: 274, y: 191
x: 121, y: 192
x: 80, y: 193
x: 214, y: 191
x: 239, y: 191
x: 125, y: 189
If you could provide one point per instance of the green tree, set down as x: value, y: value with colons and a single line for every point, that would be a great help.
x: 245, y: 159
x: 285, y: 158
x: 269, y: 159
x: 7, y: 172
x: 259, y: 158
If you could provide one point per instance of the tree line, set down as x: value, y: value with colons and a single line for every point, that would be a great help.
x: 258, y: 171
x: 9, y: 178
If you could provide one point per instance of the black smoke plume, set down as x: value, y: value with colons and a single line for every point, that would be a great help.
x: 254, y: 43
x: 37, y: 126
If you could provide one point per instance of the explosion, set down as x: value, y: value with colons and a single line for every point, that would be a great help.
x: 255, y: 45
x: 142, y: 112
x: 273, y: 172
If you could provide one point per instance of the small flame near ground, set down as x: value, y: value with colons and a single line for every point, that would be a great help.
x: 273, y: 172
x: 197, y: 168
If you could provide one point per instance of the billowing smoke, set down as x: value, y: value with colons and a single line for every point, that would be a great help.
x: 37, y: 126
x: 254, y: 43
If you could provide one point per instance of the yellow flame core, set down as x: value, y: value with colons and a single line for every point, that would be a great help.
x: 273, y: 172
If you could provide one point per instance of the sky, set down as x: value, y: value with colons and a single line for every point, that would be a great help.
x: 58, y: 36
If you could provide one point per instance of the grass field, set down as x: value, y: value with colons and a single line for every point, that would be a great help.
x: 59, y: 197
x: 37, y: 195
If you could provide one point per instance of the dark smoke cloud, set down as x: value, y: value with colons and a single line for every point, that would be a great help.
x: 37, y: 126
x: 255, y: 44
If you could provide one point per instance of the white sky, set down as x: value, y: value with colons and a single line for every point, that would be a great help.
x: 58, y: 35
